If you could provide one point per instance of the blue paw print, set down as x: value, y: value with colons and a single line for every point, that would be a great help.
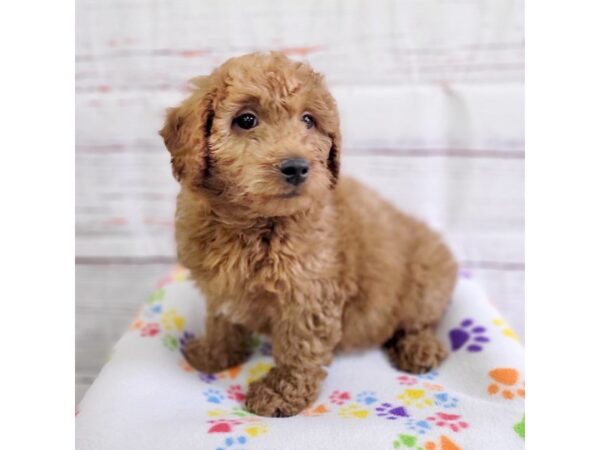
x: 366, y: 397
x: 418, y: 426
x: 230, y: 442
x: 207, y: 377
x: 214, y: 396
x: 431, y: 375
x: 445, y: 400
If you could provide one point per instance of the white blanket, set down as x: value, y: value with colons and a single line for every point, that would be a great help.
x: 147, y: 397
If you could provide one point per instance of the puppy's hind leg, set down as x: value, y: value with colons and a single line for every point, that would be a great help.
x: 415, y: 352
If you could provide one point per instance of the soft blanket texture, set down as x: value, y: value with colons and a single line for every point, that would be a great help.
x: 147, y: 397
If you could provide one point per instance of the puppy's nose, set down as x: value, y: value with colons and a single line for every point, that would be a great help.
x: 295, y: 170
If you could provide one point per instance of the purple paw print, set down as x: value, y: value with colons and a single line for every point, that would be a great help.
x: 467, y: 334
x: 390, y: 411
x: 184, y: 339
x: 266, y: 349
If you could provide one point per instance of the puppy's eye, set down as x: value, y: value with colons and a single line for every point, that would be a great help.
x: 246, y: 121
x: 308, y: 120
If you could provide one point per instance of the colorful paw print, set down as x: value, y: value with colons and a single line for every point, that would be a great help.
x: 318, y: 410
x: 222, y: 425
x: 339, y: 397
x: 451, y: 421
x: 185, y: 338
x: 431, y: 375
x: 407, y: 380
x: 366, y: 397
x: 206, y: 377
x: 258, y: 370
x: 353, y: 411
x: 520, y: 428
x: 505, y: 329
x: 156, y: 296
x: 407, y: 441
x: 416, y: 397
x: 506, y: 382
x: 418, y: 426
x: 233, y: 442
x: 171, y: 342
x: 172, y: 321
x: 234, y: 392
x: 444, y: 444
x: 150, y: 330
x: 213, y: 396
x: 445, y: 400
x: 256, y: 429
x: 391, y: 412
x: 467, y: 334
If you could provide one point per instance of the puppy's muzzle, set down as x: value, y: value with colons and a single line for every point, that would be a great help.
x: 295, y: 170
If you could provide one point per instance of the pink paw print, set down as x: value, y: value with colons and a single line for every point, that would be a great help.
x: 451, y: 421
x: 339, y: 397
x: 235, y: 393
x: 150, y: 329
x: 407, y: 380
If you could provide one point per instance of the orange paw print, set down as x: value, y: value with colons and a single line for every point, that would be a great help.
x: 506, y: 383
x: 445, y: 444
x: 318, y: 410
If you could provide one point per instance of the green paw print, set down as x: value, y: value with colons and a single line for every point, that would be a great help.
x: 407, y: 441
x: 156, y: 296
x: 171, y: 342
x: 520, y: 428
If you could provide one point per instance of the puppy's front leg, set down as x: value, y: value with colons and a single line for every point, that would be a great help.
x: 304, y: 338
x: 224, y: 345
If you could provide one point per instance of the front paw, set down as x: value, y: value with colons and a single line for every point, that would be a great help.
x: 283, y: 392
x: 211, y: 357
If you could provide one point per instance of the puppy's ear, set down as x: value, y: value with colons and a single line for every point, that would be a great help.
x: 333, y: 159
x: 186, y: 134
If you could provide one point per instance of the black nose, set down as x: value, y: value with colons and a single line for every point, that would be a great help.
x: 295, y: 170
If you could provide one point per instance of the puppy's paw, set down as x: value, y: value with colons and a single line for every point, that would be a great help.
x: 211, y: 357
x: 283, y: 393
x: 417, y: 353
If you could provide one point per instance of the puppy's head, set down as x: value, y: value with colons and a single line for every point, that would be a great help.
x: 260, y: 134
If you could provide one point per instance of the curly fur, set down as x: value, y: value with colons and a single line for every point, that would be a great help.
x: 324, y: 267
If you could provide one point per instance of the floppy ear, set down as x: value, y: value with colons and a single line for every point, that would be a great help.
x: 333, y: 159
x: 186, y: 134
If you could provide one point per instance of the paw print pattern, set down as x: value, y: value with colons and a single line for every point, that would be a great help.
x: 451, y: 421
x: 318, y: 410
x: 156, y: 296
x: 505, y: 329
x: 172, y: 321
x: 366, y: 397
x: 445, y: 400
x: 391, y: 412
x: 431, y: 375
x: 353, y: 411
x: 339, y: 397
x: 256, y: 429
x: 506, y: 382
x: 258, y: 371
x: 184, y: 339
x: 406, y: 441
x: 213, y: 396
x: 472, y: 336
x: 234, y: 392
x: 206, y: 377
x: 150, y: 330
x: 222, y: 425
x: 171, y: 342
x: 520, y: 428
x: 418, y: 426
x: 232, y: 443
x: 416, y: 397
x: 407, y: 380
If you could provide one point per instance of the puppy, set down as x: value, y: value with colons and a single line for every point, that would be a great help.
x: 281, y: 245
